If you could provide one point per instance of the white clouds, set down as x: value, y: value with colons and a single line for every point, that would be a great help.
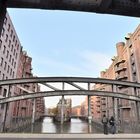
x: 90, y: 64
x: 94, y: 61
x: 80, y: 63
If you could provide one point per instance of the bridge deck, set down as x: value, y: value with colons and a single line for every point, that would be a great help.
x: 69, y: 136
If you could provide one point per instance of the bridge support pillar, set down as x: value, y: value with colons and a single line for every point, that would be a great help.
x: 5, y: 112
x: 137, y: 106
x: 62, y: 110
x: 137, y: 109
x: 62, y: 105
x: 89, y: 107
x: 2, y: 13
x: 33, y: 113
x: 89, y: 111
x: 115, y: 107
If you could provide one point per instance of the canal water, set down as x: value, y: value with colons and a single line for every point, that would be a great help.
x: 47, y: 125
x: 74, y: 126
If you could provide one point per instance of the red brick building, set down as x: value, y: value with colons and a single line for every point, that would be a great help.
x: 125, y: 67
x: 15, y: 63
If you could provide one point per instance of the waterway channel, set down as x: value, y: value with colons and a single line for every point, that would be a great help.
x: 74, y: 126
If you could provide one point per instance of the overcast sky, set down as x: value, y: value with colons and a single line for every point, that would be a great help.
x: 66, y: 43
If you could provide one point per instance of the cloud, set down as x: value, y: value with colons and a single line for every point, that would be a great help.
x: 95, y: 61
x: 82, y: 63
x: 90, y: 63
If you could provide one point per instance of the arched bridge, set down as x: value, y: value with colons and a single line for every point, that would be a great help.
x: 76, y: 88
x: 72, y: 86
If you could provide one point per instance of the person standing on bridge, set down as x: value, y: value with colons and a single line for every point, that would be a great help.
x: 105, y: 124
x: 112, y: 125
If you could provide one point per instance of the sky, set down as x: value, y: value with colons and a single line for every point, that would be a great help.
x: 68, y: 43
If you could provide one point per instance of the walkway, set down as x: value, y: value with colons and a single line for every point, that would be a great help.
x: 69, y: 136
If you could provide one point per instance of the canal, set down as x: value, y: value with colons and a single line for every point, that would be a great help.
x: 74, y: 126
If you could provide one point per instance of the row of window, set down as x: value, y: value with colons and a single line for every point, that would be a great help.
x: 4, y: 95
x: 133, y: 66
x: 7, y: 38
x: 7, y: 69
x: 11, y: 60
x: 9, y: 27
x: 7, y: 53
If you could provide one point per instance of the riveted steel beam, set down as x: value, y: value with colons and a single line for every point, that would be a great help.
x: 68, y: 79
x: 70, y: 92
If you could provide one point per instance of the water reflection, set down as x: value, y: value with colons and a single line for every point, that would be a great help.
x: 75, y: 126
x: 48, y: 126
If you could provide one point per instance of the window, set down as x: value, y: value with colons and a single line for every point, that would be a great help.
x: 4, y: 49
x: 8, y: 69
x: 7, y: 54
x: 1, y: 61
x: 13, y: 38
x: 10, y: 58
x: 18, y: 47
x: 5, y: 65
x: 12, y: 48
x: 3, y: 76
x: 6, y: 39
x: 9, y: 43
x: 8, y: 27
x: 3, y: 31
x: 5, y: 20
x: 11, y: 33
x: 12, y: 62
x: 14, y: 52
x: 15, y: 65
x: 13, y: 74
x: 16, y: 43
x: 16, y: 55
x: 5, y: 92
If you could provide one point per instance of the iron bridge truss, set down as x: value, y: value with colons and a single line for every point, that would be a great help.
x: 75, y: 84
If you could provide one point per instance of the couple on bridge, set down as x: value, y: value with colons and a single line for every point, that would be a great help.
x: 112, y: 125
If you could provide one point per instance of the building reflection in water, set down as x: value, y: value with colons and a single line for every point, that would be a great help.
x: 75, y: 126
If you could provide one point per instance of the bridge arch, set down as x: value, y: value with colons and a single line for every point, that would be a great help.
x: 69, y: 92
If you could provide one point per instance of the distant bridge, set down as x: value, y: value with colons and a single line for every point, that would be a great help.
x: 72, y: 116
